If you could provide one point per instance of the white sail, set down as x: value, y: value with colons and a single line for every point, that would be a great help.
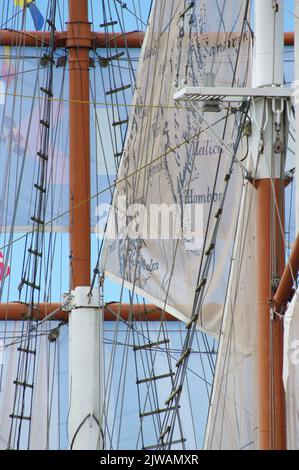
x: 232, y: 422
x: 171, y: 180
x: 39, y: 438
x: 291, y: 371
x: 42, y: 433
x: 8, y: 365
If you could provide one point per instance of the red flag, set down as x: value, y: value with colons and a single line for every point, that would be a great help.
x: 2, y: 267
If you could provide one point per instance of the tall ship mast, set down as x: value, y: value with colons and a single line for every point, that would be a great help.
x: 149, y: 212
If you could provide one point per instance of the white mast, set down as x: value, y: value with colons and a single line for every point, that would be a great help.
x: 268, y: 71
x: 269, y: 43
x: 85, y: 379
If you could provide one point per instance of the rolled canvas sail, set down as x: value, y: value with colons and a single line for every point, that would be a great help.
x: 8, y: 365
x: 291, y: 372
x: 232, y: 422
x: 171, y: 179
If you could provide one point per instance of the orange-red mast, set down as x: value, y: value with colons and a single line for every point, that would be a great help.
x: 270, y: 259
x: 269, y: 157
x: 99, y: 40
x: 16, y: 311
x: 79, y: 42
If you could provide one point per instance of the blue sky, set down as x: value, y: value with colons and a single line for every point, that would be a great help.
x: 95, y: 7
x: 289, y: 15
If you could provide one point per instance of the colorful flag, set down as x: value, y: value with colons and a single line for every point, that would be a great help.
x: 7, y: 68
x: 2, y: 267
x: 37, y: 16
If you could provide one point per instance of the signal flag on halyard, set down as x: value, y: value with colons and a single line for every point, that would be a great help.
x: 7, y: 68
x: 2, y: 267
x: 37, y: 17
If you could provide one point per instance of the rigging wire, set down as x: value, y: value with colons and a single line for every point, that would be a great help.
x: 118, y: 182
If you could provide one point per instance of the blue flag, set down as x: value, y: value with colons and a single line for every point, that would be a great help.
x: 37, y: 17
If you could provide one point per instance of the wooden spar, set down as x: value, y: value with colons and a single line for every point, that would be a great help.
x: 78, y: 42
x: 270, y: 333
x: 16, y: 311
x: 99, y: 40
x: 289, y: 39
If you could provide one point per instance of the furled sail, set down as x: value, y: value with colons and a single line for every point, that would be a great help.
x: 8, y: 363
x: 171, y: 178
x: 291, y: 371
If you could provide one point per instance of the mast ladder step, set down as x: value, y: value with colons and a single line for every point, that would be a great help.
x: 51, y: 24
x: 155, y: 377
x: 104, y: 61
x: 158, y: 446
x: 210, y: 249
x: 192, y: 321
x: 118, y: 155
x: 151, y: 345
x: 156, y: 412
x: 46, y: 91
x: 27, y: 351
x: 120, y: 123
x: 116, y: 56
x: 45, y: 123
x: 40, y: 188
x: 43, y: 156
x: 183, y: 357
x: 164, y: 433
x: 173, y: 395
x: 191, y: 5
x: 108, y: 23
x: 35, y: 253
x: 23, y: 384
x: 37, y: 220
x: 25, y: 418
x: 218, y: 213
x: 30, y: 284
x: 117, y: 90
x: 201, y: 285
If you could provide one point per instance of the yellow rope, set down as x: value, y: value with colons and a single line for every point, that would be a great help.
x: 16, y: 95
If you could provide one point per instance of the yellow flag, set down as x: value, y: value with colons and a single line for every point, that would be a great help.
x: 22, y: 3
x: 7, y: 53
